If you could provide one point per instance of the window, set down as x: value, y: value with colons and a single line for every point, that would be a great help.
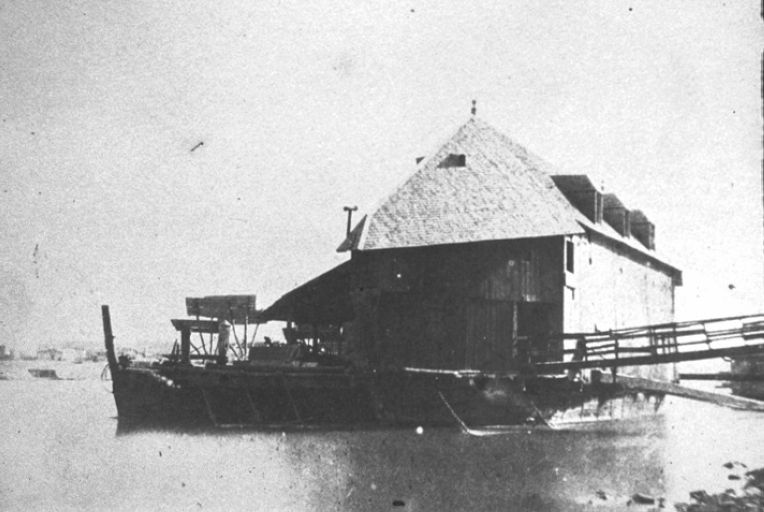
x: 454, y: 160
x: 569, y: 262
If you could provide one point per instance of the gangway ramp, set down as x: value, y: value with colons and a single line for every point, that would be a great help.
x: 669, y: 388
x: 657, y: 344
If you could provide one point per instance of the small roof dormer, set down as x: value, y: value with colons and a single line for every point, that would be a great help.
x: 642, y: 229
x: 616, y: 214
x: 581, y: 192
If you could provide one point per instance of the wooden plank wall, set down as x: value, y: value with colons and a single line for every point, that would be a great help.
x: 451, y: 306
x: 489, y: 335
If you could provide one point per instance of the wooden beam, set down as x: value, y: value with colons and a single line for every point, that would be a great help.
x: 669, y: 327
x: 736, y: 377
x: 202, y: 326
x: 669, y: 388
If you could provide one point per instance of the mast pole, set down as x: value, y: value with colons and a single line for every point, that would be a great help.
x: 108, y: 339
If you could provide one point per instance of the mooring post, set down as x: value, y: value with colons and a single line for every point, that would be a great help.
x: 108, y: 339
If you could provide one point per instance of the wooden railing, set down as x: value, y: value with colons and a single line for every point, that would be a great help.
x: 655, y: 344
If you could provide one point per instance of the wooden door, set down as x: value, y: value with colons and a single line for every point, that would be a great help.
x: 489, y: 333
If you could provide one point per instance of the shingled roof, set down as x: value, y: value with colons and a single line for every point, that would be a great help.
x: 479, y: 186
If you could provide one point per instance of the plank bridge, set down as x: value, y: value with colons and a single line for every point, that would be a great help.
x: 655, y: 344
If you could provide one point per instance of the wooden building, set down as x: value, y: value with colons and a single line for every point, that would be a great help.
x: 485, y: 250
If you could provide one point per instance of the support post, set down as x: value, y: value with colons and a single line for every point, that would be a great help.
x: 246, y: 322
x: 185, y: 345
x: 201, y: 336
x: 515, y: 350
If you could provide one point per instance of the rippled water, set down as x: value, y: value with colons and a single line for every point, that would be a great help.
x: 60, y: 451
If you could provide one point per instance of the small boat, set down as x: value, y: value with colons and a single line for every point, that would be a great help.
x: 747, y: 376
x: 44, y: 373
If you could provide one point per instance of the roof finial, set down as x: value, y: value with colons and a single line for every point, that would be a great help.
x: 474, y: 107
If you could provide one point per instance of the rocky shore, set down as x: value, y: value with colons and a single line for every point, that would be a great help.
x: 750, y: 497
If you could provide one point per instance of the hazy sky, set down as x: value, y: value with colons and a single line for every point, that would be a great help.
x: 304, y: 108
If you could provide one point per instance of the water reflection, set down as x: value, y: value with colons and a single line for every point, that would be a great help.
x: 442, y: 469
x: 439, y: 469
x: 61, y: 437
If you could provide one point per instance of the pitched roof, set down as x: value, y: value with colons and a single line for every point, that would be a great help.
x: 322, y: 299
x: 497, y: 191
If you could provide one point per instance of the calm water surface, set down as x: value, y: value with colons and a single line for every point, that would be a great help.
x: 60, y: 451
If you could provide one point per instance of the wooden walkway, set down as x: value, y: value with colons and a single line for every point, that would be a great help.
x: 657, y: 344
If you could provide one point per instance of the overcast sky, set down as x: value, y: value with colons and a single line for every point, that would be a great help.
x: 303, y: 109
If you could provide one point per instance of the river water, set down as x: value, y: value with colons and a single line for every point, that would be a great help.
x: 60, y: 451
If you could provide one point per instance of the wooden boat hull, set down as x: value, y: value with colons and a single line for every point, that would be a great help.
x: 184, y: 396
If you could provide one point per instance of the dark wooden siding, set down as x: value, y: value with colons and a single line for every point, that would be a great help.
x: 488, y: 340
x: 453, y: 306
x: 417, y: 331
